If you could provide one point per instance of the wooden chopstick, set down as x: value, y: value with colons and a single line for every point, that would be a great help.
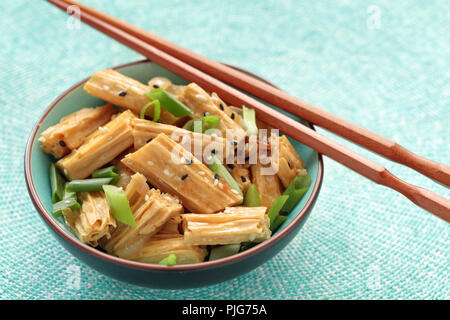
x: 365, y: 138
x: 367, y: 168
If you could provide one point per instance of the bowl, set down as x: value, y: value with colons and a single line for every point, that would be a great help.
x: 143, y: 274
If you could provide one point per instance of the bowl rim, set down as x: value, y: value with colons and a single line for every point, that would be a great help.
x: 302, y: 214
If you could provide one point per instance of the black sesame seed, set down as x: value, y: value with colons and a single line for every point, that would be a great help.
x: 213, y: 151
x: 232, y: 116
x: 149, y: 140
x: 234, y: 143
x: 231, y: 166
x: 62, y: 143
x: 184, y: 177
x: 289, y: 164
x: 122, y: 93
x: 216, y: 176
x: 243, y: 179
x: 247, y: 158
x: 188, y: 161
x: 155, y: 86
x: 221, y: 107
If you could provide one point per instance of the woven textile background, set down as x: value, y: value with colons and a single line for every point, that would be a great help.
x: 382, y: 64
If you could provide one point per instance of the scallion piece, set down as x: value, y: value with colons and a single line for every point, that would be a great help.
x: 210, y: 122
x: 59, y: 206
x: 252, y: 198
x: 218, y: 168
x: 119, y: 205
x: 56, y: 182
x: 296, y: 190
x: 108, y: 172
x: 203, y: 124
x: 94, y: 184
x: 189, y: 125
x: 249, y: 121
x: 169, y: 103
x: 69, y: 194
x: 276, y: 207
x: 277, y: 223
x: 156, y: 110
x: 224, y: 251
x: 170, y: 260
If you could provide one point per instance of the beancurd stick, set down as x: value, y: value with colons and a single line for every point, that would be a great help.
x: 234, y: 225
x: 201, y: 145
x: 93, y: 220
x: 72, y: 130
x: 268, y: 185
x: 120, y: 90
x: 161, y: 245
x: 151, y: 210
x: 103, y: 146
x: 172, y: 169
x: 202, y: 104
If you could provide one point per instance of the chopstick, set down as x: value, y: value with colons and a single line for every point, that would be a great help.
x: 367, y: 168
x: 359, y: 135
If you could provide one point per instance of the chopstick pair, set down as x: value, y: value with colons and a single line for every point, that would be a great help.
x: 207, y: 73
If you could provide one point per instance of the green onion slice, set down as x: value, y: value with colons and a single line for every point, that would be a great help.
x: 169, y: 103
x: 203, y: 124
x: 56, y: 182
x: 218, y: 168
x: 276, y: 207
x: 69, y: 194
x: 252, y: 198
x: 224, y: 251
x: 119, y: 205
x: 247, y: 245
x: 85, y: 185
x: 296, y: 190
x: 249, y: 121
x: 108, y: 172
x: 70, y: 203
x: 277, y: 223
x: 170, y: 260
x: 189, y: 125
x: 156, y: 110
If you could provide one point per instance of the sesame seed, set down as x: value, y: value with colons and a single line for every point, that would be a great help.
x: 188, y: 161
x: 247, y: 158
x: 216, y: 182
x: 146, y: 197
x: 216, y: 176
x: 232, y: 116
x: 101, y: 129
x: 243, y: 179
x: 149, y: 140
x: 201, y: 173
x: 150, y: 163
x: 122, y: 93
x: 220, y: 184
x: 62, y: 143
x: 234, y: 143
x: 166, y: 172
x: 206, y: 114
x: 289, y: 164
x: 65, y: 172
x: 231, y: 166
x: 221, y: 107
x: 234, y: 191
x: 184, y: 176
x: 168, y: 198
x: 155, y: 86
x: 213, y: 151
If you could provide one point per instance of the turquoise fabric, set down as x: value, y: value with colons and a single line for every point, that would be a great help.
x: 382, y: 64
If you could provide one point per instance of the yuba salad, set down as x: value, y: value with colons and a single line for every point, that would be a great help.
x: 168, y: 173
